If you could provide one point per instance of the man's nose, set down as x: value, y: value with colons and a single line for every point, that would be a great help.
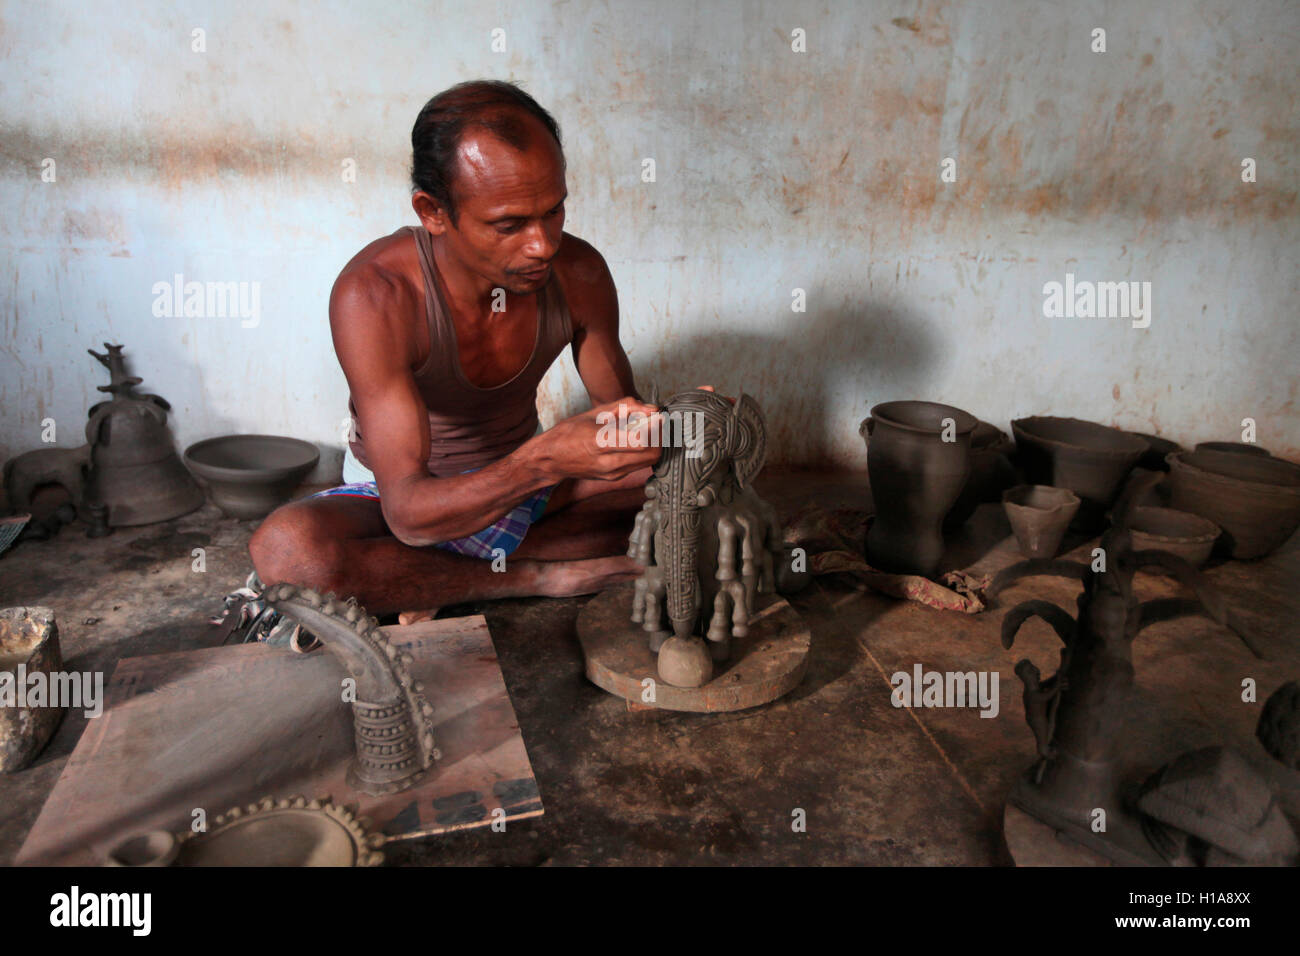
x: 542, y: 242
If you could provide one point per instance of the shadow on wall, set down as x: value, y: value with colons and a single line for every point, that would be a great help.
x: 178, y: 360
x: 800, y: 378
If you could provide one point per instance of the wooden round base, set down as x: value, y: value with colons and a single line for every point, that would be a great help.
x: 1033, y: 843
x: 765, y: 665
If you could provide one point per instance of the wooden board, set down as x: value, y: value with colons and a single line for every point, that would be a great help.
x: 222, y: 727
x: 767, y: 664
x: 1033, y: 843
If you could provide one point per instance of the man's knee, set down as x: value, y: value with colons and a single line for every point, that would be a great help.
x: 293, y: 546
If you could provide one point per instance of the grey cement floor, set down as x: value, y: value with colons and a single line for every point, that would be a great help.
x: 878, y: 785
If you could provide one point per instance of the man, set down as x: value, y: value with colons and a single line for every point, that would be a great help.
x: 443, y: 332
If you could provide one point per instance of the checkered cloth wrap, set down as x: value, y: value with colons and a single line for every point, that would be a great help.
x: 506, y: 533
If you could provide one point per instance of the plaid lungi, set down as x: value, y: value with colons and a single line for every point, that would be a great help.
x: 506, y: 533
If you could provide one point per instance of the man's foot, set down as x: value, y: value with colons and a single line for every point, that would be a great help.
x: 589, y: 576
x: 417, y: 617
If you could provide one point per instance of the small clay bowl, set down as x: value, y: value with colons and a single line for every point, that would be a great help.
x: 1255, y: 499
x: 1189, y: 536
x: 1232, y: 447
x: 155, y: 848
x: 251, y: 475
x: 1039, y: 515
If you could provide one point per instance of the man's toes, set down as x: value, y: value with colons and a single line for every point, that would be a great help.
x: 416, y: 617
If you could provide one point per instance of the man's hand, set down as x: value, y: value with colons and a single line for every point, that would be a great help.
x: 710, y: 388
x: 608, y: 442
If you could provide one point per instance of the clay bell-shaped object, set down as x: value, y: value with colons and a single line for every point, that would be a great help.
x: 136, y: 472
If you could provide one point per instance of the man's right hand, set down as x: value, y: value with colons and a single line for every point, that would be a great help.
x: 608, y: 442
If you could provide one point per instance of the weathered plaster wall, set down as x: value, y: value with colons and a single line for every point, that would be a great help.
x: 776, y: 170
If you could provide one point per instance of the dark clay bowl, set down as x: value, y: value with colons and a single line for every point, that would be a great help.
x: 1189, y: 536
x: 925, y: 417
x: 1235, y: 447
x: 1157, y: 449
x: 251, y: 475
x: 1091, y: 460
x: 1255, y: 499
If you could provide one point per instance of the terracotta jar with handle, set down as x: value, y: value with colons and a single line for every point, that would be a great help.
x: 919, y: 460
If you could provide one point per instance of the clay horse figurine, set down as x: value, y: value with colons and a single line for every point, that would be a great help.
x: 708, y: 543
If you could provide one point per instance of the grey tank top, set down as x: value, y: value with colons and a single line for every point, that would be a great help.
x: 469, y: 426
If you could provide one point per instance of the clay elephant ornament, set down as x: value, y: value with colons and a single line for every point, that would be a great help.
x: 708, y: 542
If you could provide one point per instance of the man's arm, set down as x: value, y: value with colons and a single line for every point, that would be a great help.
x: 376, y: 354
x: 593, y: 303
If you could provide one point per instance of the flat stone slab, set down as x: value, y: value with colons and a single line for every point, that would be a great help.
x: 223, y: 727
x: 765, y: 665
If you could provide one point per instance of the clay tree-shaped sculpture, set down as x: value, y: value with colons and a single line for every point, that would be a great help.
x: 707, y: 541
x: 1077, y: 715
x: 391, y: 717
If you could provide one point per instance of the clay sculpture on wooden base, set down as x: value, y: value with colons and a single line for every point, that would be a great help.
x: 394, y: 738
x: 713, y: 558
x: 708, y: 542
x: 1078, y: 715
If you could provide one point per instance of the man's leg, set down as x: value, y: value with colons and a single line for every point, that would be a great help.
x: 342, y: 544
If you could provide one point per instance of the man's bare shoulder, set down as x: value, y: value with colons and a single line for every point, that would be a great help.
x: 376, y: 283
x: 585, y: 277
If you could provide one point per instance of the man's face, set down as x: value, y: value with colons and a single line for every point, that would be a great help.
x: 509, y: 209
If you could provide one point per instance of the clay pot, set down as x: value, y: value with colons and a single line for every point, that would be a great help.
x: 916, y: 477
x: 1239, y: 447
x: 1189, y: 536
x: 29, y: 644
x: 1255, y: 499
x: 1039, y: 515
x: 991, y: 473
x: 251, y: 475
x: 1090, y: 459
x: 1157, y: 449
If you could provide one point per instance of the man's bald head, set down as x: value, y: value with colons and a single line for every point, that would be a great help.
x: 500, y: 108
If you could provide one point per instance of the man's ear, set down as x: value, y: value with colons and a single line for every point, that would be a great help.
x: 434, y: 217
